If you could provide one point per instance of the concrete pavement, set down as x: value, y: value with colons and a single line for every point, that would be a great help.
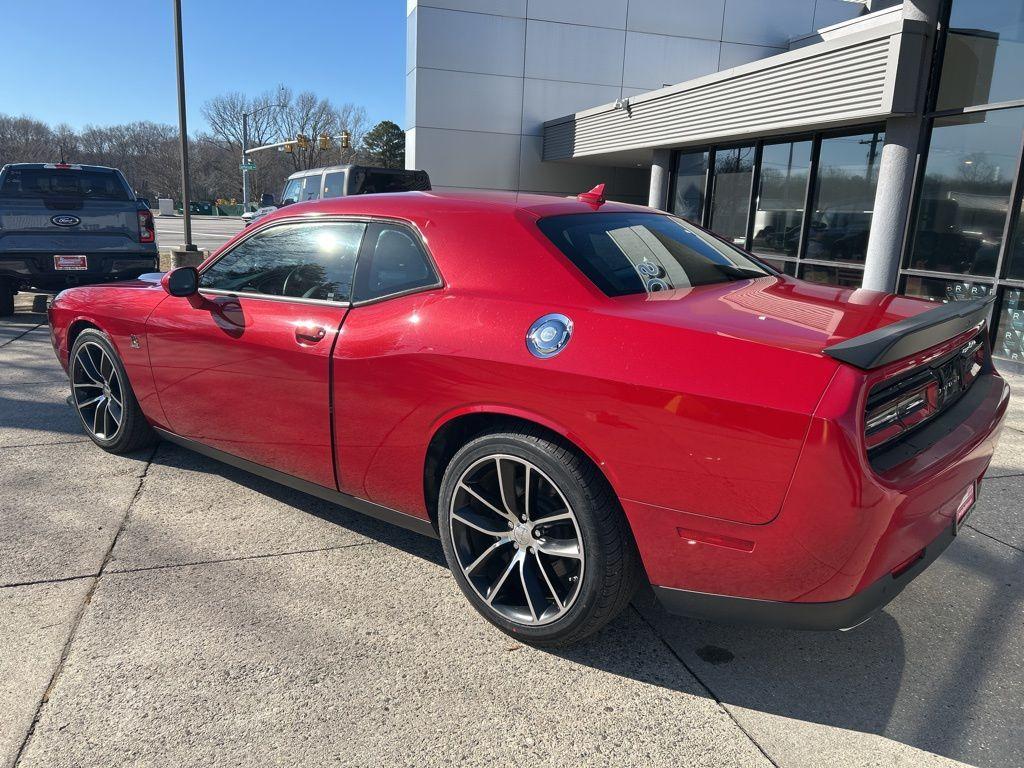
x: 165, y: 609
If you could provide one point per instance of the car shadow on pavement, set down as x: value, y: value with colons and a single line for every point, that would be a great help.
x: 392, y: 535
x: 930, y: 671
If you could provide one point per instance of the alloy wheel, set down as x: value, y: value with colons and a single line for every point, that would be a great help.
x: 99, y: 396
x: 517, y: 540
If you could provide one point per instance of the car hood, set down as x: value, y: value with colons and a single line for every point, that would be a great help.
x: 776, y: 310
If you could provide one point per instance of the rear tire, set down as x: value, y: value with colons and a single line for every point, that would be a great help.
x: 7, y: 292
x: 103, y: 396
x: 549, y: 565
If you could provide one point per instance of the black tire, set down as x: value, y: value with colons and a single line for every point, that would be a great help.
x: 612, y: 565
x: 133, y: 431
x: 7, y: 292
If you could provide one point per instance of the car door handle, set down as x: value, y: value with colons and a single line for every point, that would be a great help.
x: 309, y: 334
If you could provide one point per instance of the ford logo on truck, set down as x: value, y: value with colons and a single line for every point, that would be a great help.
x: 66, y: 220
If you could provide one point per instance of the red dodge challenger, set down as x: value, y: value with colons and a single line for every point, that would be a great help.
x: 576, y: 397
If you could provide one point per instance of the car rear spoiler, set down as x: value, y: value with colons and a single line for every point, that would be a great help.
x: 911, y: 335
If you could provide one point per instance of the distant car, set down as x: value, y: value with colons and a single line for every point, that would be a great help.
x: 577, y: 397
x: 342, y: 181
x: 63, y: 224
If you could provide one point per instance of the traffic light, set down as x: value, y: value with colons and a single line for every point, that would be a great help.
x: 302, y: 140
x: 324, y: 141
x: 346, y: 140
x: 289, y: 148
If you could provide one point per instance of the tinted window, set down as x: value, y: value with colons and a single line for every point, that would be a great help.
x: 688, y: 185
x: 844, y: 197
x: 1010, y: 329
x: 369, y: 181
x: 730, y: 196
x: 334, y: 184
x: 309, y: 261
x: 60, y: 182
x: 972, y: 160
x: 780, y: 198
x: 984, y: 53
x: 392, y: 261
x: 626, y: 253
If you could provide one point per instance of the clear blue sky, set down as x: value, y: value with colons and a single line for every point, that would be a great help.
x: 112, y: 61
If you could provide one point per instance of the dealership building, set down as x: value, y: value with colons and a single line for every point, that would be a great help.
x: 870, y: 143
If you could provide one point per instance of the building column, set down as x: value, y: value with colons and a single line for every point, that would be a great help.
x: 658, y: 197
x: 892, y: 203
x: 896, y: 168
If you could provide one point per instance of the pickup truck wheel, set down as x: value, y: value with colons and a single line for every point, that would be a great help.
x: 535, y: 538
x: 103, y: 397
x: 7, y: 292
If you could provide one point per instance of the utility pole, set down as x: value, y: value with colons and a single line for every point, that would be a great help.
x: 183, y: 129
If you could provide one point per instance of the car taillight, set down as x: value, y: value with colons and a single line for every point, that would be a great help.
x: 903, y: 410
x: 894, y: 408
x: 147, y: 229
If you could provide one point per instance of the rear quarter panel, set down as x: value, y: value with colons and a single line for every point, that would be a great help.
x: 683, y: 419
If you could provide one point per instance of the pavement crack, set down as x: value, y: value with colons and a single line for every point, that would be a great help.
x: 56, y: 580
x: 260, y: 556
x: 994, y: 538
x: 705, y: 686
x: 66, y: 650
x: 25, y: 333
x: 45, y: 445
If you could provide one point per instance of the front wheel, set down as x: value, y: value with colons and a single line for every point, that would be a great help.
x: 536, y: 538
x: 103, y: 397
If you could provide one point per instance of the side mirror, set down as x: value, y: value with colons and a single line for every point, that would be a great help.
x: 181, y: 282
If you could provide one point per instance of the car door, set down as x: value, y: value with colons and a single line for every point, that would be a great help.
x: 244, y: 366
x: 378, y: 381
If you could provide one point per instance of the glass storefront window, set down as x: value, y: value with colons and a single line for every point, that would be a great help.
x: 984, y: 54
x: 688, y: 185
x: 1015, y: 257
x: 964, y: 199
x: 782, y: 188
x: 944, y: 291
x: 844, y: 197
x: 1009, y: 342
x: 785, y: 267
x: 840, y: 276
x: 730, y: 196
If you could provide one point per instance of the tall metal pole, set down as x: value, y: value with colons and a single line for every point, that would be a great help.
x: 245, y: 159
x: 183, y: 129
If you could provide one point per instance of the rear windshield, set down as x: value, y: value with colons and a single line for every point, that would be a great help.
x: 628, y: 253
x: 62, y: 182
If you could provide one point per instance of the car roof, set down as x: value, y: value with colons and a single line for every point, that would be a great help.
x: 439, y: 202
x: 77, y: 166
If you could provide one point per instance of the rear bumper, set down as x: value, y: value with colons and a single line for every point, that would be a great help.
x: 36, y: 271
x: 837, y: 614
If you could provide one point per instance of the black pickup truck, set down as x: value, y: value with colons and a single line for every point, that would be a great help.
x: 64, y: 225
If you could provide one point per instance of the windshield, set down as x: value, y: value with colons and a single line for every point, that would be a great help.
x: 62, y: 182
x: 628, y: 253
x: 292, y: 190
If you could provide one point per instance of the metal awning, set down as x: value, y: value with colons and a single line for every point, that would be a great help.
x: 864, y: 74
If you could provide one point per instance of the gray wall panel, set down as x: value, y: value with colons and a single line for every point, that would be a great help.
x: 469, y: 102
x: 684, y: 18
x: 574, y: 53
x: 469, y: 42
x: 653, y: 61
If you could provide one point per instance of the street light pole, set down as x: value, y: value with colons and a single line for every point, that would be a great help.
x: 183, y: 129
x: 245, y: 159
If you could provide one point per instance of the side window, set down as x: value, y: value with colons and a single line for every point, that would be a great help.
x: 302, y: 261
x: 392, y: 260
x: 334, y: 184
x: 311, y: 189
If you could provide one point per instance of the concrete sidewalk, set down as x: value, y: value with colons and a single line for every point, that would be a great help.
x: 163, y: 609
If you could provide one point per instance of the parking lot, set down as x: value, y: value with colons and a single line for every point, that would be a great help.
x: 163, y: 609
x: 208, y: 232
